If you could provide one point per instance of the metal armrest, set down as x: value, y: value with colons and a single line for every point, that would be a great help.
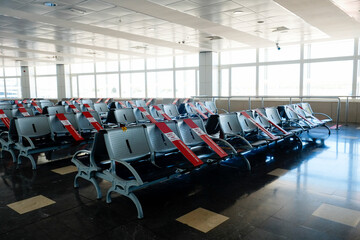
x: 223, y: 110
x: 323, y: 114
x: 32, y: 145
x: 224, y: 142
x: 242, y: 138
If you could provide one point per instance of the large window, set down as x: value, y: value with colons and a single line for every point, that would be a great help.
x: 224, y: 82
x: 185, y: 83
x: 328, y: 78
x: 284, y: 54
x: 133, y: 85
x: 329, y: 49
x: 107, y: 85
x: 279, y: 80
x: 46, y: 87
x: 86, y: 86
x: 160, y: 84
x: 10, y: 86
x: 243, y: 81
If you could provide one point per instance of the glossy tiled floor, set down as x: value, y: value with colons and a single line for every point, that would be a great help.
x: 312, y: 195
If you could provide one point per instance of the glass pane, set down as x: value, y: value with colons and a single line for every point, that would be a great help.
x: 100, y: 67
x: 46, y: 87
x: 32, y: 82
x: 185, y: 83
x: 243, y: 81
x: 329, y: 49
x: 191, y: 60
x: 125, y: 85
x: 224, y: 82
x: 86, y: 86
x: 236, y: 57
x: 13, y: 87
x: 2, y: 89
x: 137, y: 64
x: 328, y: 78
x: 46, y: 70
x: 12, y: 71
x: 284, y: 54
x: 279, y: 80
x: 107, y: 85
x: 133, y: 85
x: 82, y: 68
x: 74, y: 85
x: 160, y: 84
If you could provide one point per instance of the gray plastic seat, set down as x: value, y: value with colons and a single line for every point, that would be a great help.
x: 172, y: 111
x: 17, y: 114
x: 140, y: 103
x: 84, y: 125
x: 140, y: 117
x: 58, y: 130
x: 155, y: 114
x: 85, y: 109
x: 54, y: 110
x: 124, y: 116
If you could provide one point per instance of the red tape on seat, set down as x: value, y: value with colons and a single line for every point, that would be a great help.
x: 93, y: 121
x: 272, y: 136
x: 69, y: 127
x: 205, y: 138
x: 197, y: 110
x: 188, y: 154
x: 271, y: 122
x: 148, y: 102
x: 175, y: 101
x: 4, y: 118
x: 78, y: 100
x: 107, y: 100
x: 301, y: 116
x: 37, y: 107
x: 88, y: 107
x: 23, y: 110
x: 157, y: 108
x: 312, y: 116
x: 72, y: 107
x: 122, y: 104
x: 208, y: 110
x: 99, y: 100
x: 132, y: 104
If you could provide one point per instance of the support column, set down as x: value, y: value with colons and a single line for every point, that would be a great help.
x: 208, y: 74
x: 25, y: 79
x: 60, y: 73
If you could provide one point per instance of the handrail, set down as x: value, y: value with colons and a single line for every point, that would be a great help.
x: 301, y: 98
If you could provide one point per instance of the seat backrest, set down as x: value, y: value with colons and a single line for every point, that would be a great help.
x: 260, y: 119
x: 155, y: 114
x: 171, y: 110
x: 273, y: 115
x: 125, y: 116
x: 87, y: 101
x: 187, y: 134
x: 54, y: 110
x: 245, y: 123
x: 8, y: 113
x: 98, y: 153
x: 127, y: 145
x: 229, y: 124
x: 157, y: 140
x: 45, y: 104
x: 189, y: 110
x: 101, y: 107
x: 5, y: 106
x: 307, y: 108
x: 83, y: 124
x: 140, y: 103
x: 139, y: 115
x: 57, y: 128
x: 290, y: 114
x: 286, y: 113
x: 17, y: 114
x: 211, y: 106
x: 35, y: 126
x: 68, y: 109
x: 84, y: 109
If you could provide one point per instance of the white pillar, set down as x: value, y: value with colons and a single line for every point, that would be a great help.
x: 25, y: 86
x: 60, y: 73
x: 208, y: 73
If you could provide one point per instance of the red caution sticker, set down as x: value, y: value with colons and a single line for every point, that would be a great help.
x: 93, y: 121
x: 207, y: 109
x: 205, y: 138
x: 107, y: 100
x: 190, y: 155
x: 149, y: 102
x: 162, y: 112
x: 186, y: 100
x: 69, y: 127
x: 197, y: 110
x: 88, y: 107
x: 78, y: 100
x: 37, y: 107
x: 99, y: 100
x: 72, y: 107
x: 4, y: 118
x: 271, y: 122
x: 272, y: 136
x: 23, y: 110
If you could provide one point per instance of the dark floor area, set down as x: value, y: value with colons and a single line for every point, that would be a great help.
x: 323, y: 178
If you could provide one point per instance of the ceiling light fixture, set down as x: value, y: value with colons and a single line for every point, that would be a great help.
x: 75, y: 10
x: 211, y: 38
x: 238, y: 12
x: 50, y: 4
x: 260, y: 21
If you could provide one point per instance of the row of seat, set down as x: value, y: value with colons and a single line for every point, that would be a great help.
x: 141, y: 154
